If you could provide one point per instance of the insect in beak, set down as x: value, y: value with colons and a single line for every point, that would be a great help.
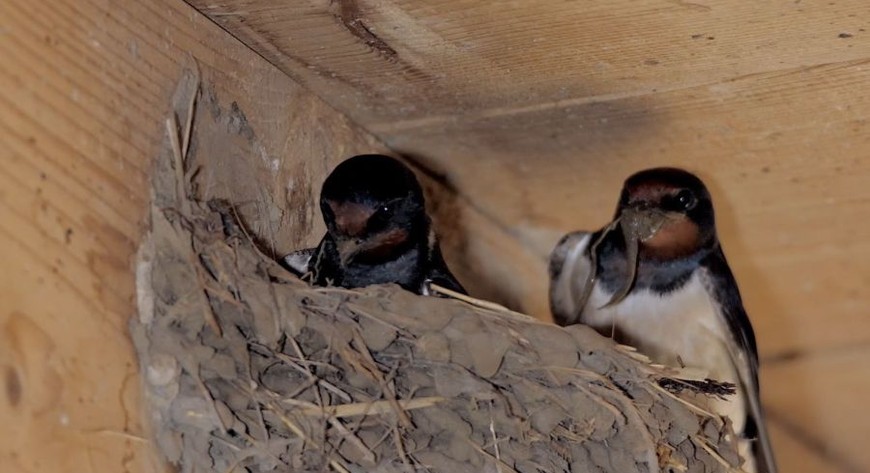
x: 638, y: 223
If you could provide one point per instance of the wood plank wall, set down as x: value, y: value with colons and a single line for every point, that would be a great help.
x: 85, y: 87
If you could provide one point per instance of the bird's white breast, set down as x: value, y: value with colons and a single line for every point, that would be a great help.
x: 682, y: 325
x: 681, y: 328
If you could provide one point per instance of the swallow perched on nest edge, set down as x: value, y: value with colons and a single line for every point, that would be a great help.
x: 377, y: 231
x: 656, y: 278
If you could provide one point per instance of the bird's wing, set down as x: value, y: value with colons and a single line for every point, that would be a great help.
x: 437, y: 272
x: 743, y: 353
x: 569, y: 269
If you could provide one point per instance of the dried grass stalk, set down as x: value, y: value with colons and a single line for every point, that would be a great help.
x: 281, y: 376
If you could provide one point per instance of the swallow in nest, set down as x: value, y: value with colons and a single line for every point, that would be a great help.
x: 377, y: 231
x: 656, y: 278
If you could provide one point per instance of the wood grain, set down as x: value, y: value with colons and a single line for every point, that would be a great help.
x: 532, y: 112
x: 783, y: 154
x: 817, y: 408
x: 85, y: 88
x: 389, y: 62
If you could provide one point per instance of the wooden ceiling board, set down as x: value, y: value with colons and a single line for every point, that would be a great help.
x: 384, y: 61
x: 785, y: 155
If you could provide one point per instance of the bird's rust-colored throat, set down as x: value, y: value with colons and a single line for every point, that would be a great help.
x: 380, y: 246
x: 678, y: 237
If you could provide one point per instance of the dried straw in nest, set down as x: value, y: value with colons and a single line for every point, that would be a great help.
x: 246, y: 368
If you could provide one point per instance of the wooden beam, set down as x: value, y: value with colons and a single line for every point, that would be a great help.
x: 390, y: 62
x: 85, y: 88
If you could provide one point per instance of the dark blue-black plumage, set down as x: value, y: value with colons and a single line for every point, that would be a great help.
x: 677, y: 300
x: 378, y: 231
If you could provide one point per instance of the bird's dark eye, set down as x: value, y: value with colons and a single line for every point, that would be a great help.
x: 686, y: 199
x: 384, y: 212
x: 380, y: 218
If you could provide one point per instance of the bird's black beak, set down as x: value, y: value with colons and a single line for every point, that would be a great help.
x: 638, y: 222
x: 348, y: 249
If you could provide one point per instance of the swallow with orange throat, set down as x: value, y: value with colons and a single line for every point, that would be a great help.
x: 377, y: 231
x: 656, y: 278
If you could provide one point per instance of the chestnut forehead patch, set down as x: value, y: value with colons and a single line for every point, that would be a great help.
x: 351, y: 218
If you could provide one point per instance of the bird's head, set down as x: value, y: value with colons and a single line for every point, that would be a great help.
x: 373, y: 208
x: 669, y: 211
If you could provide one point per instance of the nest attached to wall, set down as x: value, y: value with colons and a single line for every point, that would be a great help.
x: 248, y: 369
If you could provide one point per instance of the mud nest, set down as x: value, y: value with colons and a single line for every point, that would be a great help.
x: 248, y: 369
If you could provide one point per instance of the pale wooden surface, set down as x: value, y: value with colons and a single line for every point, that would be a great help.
x: 85, y: 87
x: 822, y: 394
x: 536, y: 110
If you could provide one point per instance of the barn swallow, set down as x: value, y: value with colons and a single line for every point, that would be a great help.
x: 377, y: 230
x: 656, y: 278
